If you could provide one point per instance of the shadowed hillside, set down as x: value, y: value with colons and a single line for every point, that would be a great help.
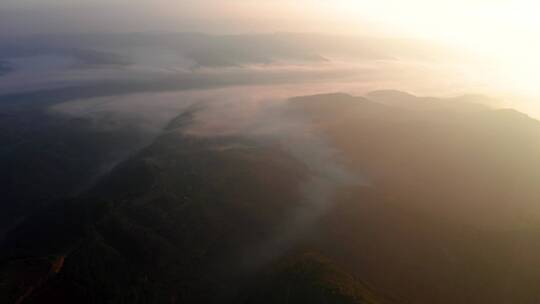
x: 446, y: 214
x: 167, y: 225
x: 452, y: 213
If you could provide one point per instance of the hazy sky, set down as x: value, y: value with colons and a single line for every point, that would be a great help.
x: 506, y: 30
x: 445, y: 19
x: 472, y: 23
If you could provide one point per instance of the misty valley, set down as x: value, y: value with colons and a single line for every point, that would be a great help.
x: 259, y: 168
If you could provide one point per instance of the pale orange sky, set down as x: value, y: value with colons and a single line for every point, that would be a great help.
x: 505, y: 32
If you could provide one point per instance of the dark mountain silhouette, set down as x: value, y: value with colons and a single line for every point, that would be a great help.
x: 450, y: 210
x: 447, y: 215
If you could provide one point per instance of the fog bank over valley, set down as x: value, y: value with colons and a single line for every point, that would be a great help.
x: 252, y: 168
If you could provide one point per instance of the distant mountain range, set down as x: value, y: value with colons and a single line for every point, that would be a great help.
x: 203, y: 50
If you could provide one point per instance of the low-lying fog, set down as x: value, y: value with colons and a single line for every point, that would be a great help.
x: 431, y: 178
x: 239, y: 84
x: 190, y: 61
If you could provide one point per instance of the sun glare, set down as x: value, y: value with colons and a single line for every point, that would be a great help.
x: 504, y: 34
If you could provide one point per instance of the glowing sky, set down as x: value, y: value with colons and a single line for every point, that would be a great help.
x: 505, y: 31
